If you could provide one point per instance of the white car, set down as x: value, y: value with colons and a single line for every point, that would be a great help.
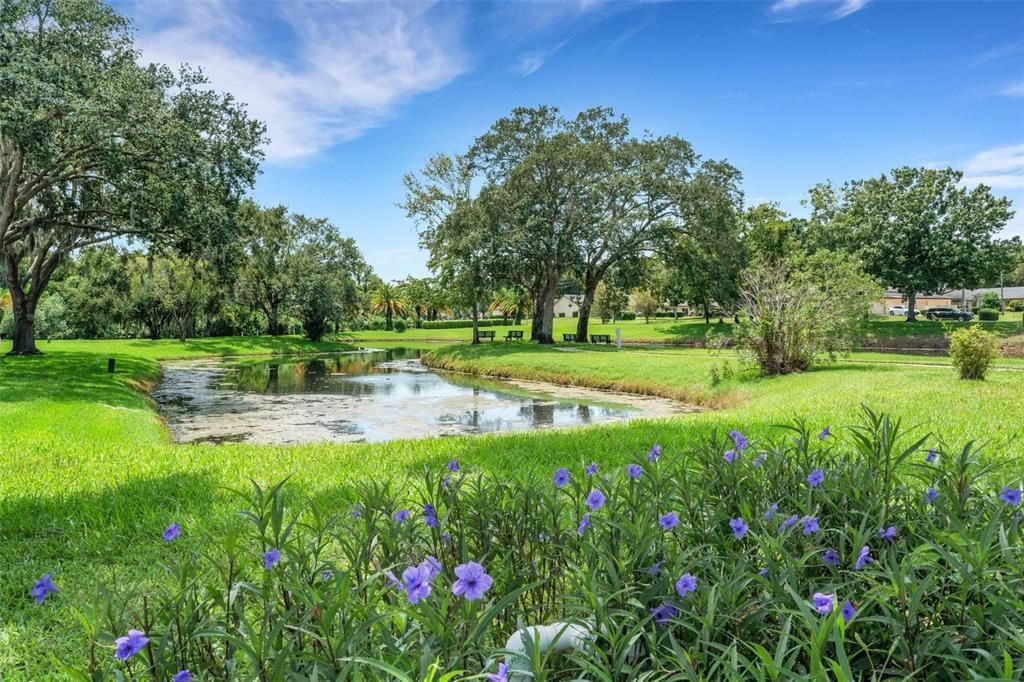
x: 898, y: 310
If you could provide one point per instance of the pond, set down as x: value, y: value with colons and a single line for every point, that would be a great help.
x: 368, y: 396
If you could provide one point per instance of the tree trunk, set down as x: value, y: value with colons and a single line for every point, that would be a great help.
x: 538, y: 317
x: 24, y: 327
x: 707, y: 310
x: 589, y: 291
x: 547, y: 321
x: 273, y: 323
x: 387, y: 320
x: 476, y: 323
x: 911, y: 307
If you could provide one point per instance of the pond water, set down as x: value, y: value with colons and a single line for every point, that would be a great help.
x: 368, y: 396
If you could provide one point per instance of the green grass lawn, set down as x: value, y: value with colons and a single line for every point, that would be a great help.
x: 881, y: 331
x: 89, y: 477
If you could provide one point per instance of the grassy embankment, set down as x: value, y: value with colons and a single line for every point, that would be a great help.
x: 88, y: 476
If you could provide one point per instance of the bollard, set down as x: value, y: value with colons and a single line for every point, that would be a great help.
x: 111, y: 363
x: 618, y: 338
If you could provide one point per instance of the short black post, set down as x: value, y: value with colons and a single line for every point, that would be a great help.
x: 111, y: 363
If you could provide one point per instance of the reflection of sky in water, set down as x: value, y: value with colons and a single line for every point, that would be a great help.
x: 349, y: 397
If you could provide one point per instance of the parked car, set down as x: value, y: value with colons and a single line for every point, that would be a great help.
x: 898, y: 310
x: 944, y: 313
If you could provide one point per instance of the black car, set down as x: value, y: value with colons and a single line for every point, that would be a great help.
x: 948, y: 314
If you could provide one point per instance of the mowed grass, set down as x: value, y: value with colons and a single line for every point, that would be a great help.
x: 881, y: 331
x: 89, y: 477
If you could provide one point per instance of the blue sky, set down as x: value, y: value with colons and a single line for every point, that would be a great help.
x: 792, y: 92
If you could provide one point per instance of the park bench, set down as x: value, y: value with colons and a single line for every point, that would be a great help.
x: 480, y: 336
x: 514, y: 335
x: 600, y: 338
x: 569, y: 338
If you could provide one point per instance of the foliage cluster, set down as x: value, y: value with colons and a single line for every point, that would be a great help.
x: 972, y: 350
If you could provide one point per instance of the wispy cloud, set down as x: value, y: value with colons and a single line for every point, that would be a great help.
x: 837, y: 9
x: 1014, y: 89
x: 342, y: 68
x: 999, y: 52
x: 998, y: 167
x: 530, y: 62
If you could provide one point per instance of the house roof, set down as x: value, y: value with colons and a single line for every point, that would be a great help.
x: 1007, y: 292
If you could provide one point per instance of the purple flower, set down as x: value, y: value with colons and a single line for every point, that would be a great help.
x: 863, y: 558
x: 685, y: 585
x: 932, y: 454
x: 815, y: 478
x: 401, y: 516
x: 392, y: 578
x: 763, y: 573
x: 446, y: 538
x: 770, y: 512
x: 1010, y: 496
x: 271, y: 558
x: 788, y: 523
x: 561, y: 477
x: 592, y: 469
x: 635, y: 471
x: 825, y: 433
x: 357, y: 511
x: 501, y: 675
x: 654, y: 570
x: 446, y: 482
x: 654, y: 454
x: 739, y: 528
x: 664, y: 613
x: 182, y: 676
x: 471, y: 581
x: 433, y: 566
x: 830, y: 557
x: 416, y: 582
x: 43, y: 588
x: 584, y: 524
x: 739, y: 441
x: 669, y: 521
x: 595, y: 500
x: 888, y: 534
x: 131, y: 644
x: 824, y: 603
x: 172, y: 532
x: 453, y: 465
x: 931, y: 495
x: 810, y: 525
x: 759, y: 460
x: 848, y: 611
x: 430, y: 515
x: 729, y: 456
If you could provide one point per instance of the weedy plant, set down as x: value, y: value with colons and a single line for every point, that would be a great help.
x: 862, y: 556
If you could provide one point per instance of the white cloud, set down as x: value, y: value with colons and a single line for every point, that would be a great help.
x: 340, y: 68
x: 840, y: 8
x: 1014, y: 89
x: 530, y: 62
x: 998, y: 167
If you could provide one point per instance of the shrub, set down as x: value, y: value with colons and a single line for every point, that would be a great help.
x: 972, y: 349
x: 627, y: 316
x: 988, y: 314
x: 781, y: 546
x: 461, y: 324
x: 400, y: 325
x: 1017, y: 306
x: 990, y: 299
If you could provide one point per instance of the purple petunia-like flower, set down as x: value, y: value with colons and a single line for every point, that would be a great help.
x: 739, y: 441
x: 561, y: 477
x: 664, y: 613
x: 446, y: 538
x: 357, y: 511
x: 669, y: 521
x: 830, y: 557
x: 129, y: 645
x: 634, y: 471
x: 592, y: 469
x: 43, y: 588
x: 788, y: 523
x: 433, y: 565
x: 471, y: 581
x: 453, y: 465
x: 825, y: 433
x: 1010, y: 496
x: 501, y: 675
x: 848, y: 611
x: 430, y: 515
x: 759, y: 460
x: 930, y: 457
x: 770, y: 512
x: 863, y: 558
x: 584, y: 524
x: 763, y: 573
x: 393, y: 580
x: 686, y: 584
x: 810, y: 525
x: 595, y: 500
x: 824, y: 603
x: 182, y: 676
x: 888, y: 534
x: 416, y: 582
x: 654, y: 454
x: 815, y: 478
x: 931, y: 495
x: 739, y: 527
x: 729, y: 456
x: 172, y: 532
x: 401, y: 516
x: 270, y: 558
x: 446, y: 482
x: 654, y: 570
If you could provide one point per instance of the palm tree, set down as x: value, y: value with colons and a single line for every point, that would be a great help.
x: 387, y: 299
x: 511, y: 302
